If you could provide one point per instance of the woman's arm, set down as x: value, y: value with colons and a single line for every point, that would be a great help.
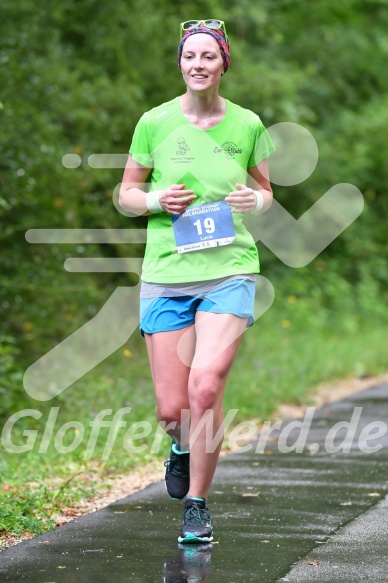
x: 132, y: 197
x: 174, y: 199
x: 256, y: 195
x: 261, y: 183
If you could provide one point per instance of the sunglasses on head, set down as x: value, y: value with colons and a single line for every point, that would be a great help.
x: 212, y: 24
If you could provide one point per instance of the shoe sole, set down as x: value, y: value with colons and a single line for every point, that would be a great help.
x: 191, y: 538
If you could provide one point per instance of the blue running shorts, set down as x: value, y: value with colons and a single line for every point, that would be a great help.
x: 235, y: 297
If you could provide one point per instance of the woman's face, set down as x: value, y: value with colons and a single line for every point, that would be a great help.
x: 201, y: 62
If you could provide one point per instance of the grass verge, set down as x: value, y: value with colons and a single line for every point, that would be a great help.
x: 291, y: 349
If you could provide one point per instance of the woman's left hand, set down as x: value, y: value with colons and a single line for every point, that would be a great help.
x: 242, y: 200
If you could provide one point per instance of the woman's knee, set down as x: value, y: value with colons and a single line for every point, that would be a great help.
x: 206, y: 392
x: 170, y: 414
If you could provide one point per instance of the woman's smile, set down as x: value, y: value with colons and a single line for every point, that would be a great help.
x: 201, y: 61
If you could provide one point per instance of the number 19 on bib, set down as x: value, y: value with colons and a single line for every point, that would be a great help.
x: 203, y: 226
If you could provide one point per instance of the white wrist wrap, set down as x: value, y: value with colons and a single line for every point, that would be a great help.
x: 152, y: 201
x: 259, y: 202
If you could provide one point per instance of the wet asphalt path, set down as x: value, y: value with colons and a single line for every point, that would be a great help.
x: 319, y: 515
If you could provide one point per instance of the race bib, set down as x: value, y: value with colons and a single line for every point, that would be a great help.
x: 203, y: 226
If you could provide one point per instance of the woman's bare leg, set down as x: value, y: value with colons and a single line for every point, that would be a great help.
x: 218, y: 334
x: 170, y: 377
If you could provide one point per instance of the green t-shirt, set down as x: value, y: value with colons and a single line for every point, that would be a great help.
x: 210, y: 162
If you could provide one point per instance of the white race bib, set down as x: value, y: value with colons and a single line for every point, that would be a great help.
x: 203, y: 226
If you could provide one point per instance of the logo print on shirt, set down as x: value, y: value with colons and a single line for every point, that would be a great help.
x: 182, y: 147
x: 229, y: 148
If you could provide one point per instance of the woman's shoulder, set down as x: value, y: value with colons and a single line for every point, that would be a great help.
x: 160, y: 111
x: 243, y: 113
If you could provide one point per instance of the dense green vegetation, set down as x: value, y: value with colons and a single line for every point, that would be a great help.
x: 75, y: 77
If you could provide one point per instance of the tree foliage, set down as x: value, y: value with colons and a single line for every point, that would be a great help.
x: 75, y: 77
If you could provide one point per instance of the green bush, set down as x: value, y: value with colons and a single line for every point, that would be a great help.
x: 11, y: 377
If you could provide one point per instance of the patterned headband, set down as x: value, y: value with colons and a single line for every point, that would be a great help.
x: 217, y: 34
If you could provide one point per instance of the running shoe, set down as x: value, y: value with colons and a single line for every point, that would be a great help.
x: 177, y: 475
x: 197, y: 523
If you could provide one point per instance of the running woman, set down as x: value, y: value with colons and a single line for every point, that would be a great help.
x: 197, y: 165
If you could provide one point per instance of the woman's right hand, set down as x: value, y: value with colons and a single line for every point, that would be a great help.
x: 175, y: 199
